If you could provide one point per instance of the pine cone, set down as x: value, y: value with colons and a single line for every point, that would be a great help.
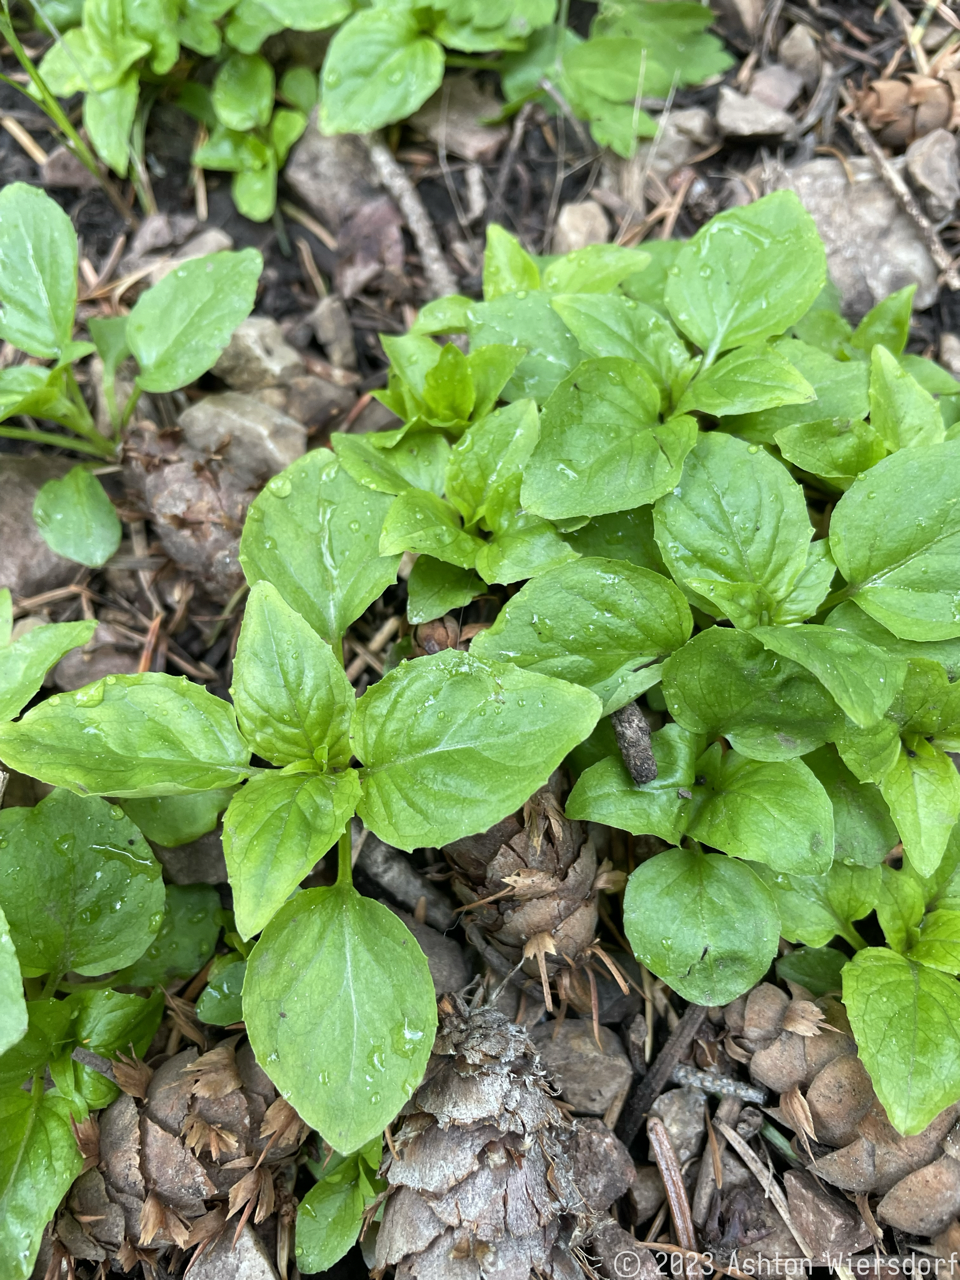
x: 804, y: 1051
x: 900, y: 111
x: 202, y: 1146
x: 481, y: 1182
x: 536, y: 874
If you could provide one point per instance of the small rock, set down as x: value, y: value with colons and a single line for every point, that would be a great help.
x: 109, y: 653
x: 838, y: 1099
x: 579, y: 225
x: 763, y: 1014
x: 332, y: 176
x: 637, y: 1041
x: 647, y: 1193
x: 932, y: 164
x: 156, y: 232
x: 777, y: 86
x: 619, y: 1255
x: 257, y: 356
x: 745, y: 15
x: 798, y: 51
x: 27, y: 565
x: 747, y: 117
x: 315, y: 402
x: 852, y: 1168
x: 831, y: 1227
x: 448, y: 968
x: 873, y: 248
x: 391, y: 871
x: 370, y: 248
x: 374, y: 417
x: 950, y: 352
x: 924, y: 1203
x: 681, y: 1111
x: 602, y: 1168
x: 254, y: 440
x: 453, y: 118
x: 212, y: 240
x: 332, y: 329
x: 682, y: 135
x: 780, y: 1065
x: 247, y: 1260
x: 589, y: 1077
x: 63, y: 169
x: 199, y: 861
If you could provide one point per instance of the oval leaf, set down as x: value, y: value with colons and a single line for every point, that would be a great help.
x: 76, y: 518
x: 38, y: 271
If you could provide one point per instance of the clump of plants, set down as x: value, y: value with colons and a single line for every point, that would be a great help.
x: 383, y: 62
x: 697, y: 492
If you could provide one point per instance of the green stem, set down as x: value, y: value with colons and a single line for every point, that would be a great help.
x: 345, y: 859
x: 106, y: 450
x: 50, y: 986
x: 129, y: 407
x: 836, y: 598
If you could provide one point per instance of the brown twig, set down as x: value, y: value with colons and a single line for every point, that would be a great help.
x: 440, y: 279
x: 669, y: 1166
x: 727, y: 1111
x: 652, y: 1084
x: 767, y: 1181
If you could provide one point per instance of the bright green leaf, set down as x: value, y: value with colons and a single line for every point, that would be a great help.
x: 38, y: 271
x: 507, y: 267
x: 864, y: 832
x: 815, y: 909
x: 76, y: 518
x: 745, y: 381
x: 171, y: 821
x: 24, y: 664
x: 420, y: 521
x: 901, y: 412
x: 435, y: 588
x: 243, y: 92
x: 923, y: 792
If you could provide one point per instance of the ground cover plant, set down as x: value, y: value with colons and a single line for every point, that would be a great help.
x: 383, y: 62
x: 688, y: 481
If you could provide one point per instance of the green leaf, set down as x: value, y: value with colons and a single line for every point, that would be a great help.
x: 249, y: 25
x: 888, y: 323
x: 171, y: 821
x: 435, y: 588
x: 863, y: 830
x: 275, y: 831
x: 775, y: 812
x: 379, y: 68
x: 869, y: 754
x: 292, y: 697
x: 606, y: 793
x: 488, y: 454
x: 901, y: 559
x: 593, y: 622
x: 24, y: 664
x: 108, y: 117
x: 420, y: 521
x: 861, y: 677
x: 255, y: 192
x: 110, y: 1022
x: 847, y: 617
x: 745, y: 381
x: 602, y: 447
x: 186, y: 940
x: 734, y: 533
x: 123, y: 736
x: 523, y: 545
x: 816, y: 968
x: 923, y: 792
x: 340, y: 1009
x: 220, y: 1002
x: 232, y: 152
x: 835, y: 448
x: 452, y: 745
x: 938, y: 946
x: 329, y: 1219
x: 313, y: 533
x: 109, y: 333
x: 747, y: 275
x: 38, y: 271
x: 39, y: 1160
x: 623, y: 535
x: 815, y: 909
x: 900, y: 909
x: 611, y: 325
x: 243, y: 92
x: 416, y: 460
x: 683, y: 913
x: 596, y: 268
x: 901, y: 412
x: 299, y: 86
x: 76, y: 518
x: 13, y: 1008
x: 79, y: 885
x: 507, y: 267
x: 906, y: 1021
x: 178, y: 328
x: 527, y: 320
x: 723, y: 683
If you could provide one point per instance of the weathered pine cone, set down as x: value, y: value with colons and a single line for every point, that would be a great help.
x: 804, y: 1051
x: 534, y: 879
x: 185, y: 1147
x: 481, y: 1182
x: 901, y: 110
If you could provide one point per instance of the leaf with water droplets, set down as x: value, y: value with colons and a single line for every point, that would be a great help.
x: 13, y: 1009
x: 76, y: 518
x: 341, y: 1012
x: 79, y: 885
x: 24, y: 663
x: 814, y: 909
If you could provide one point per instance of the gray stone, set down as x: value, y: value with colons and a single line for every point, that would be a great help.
x: 255, y: 440
x: 873, y: 248
x: 777, y: 86
x: 950, y: 352
x: 619, y: 1254
x: 682, y: 1112
x: 196, y: 862
x: 744, y: 15
x: 579, y: 225
x: 589, y: 1077
x: 932, y: 164
x: 647, y: 1193
x: 740, y: 116
x: 682, y: 135
x: 602, y: 1168
x: 374, y: 417
x: 248, y: 1260
x: 109, y: 653
x: 453, y: 118
x: 27, y: 565
x: 315, y: 402
x: 63, y: 169
x: 332, y: 176
x: 257, y: 356
x: 448, y: 968
x: 393, y: 873
x: 210, y: 240
x: 798, y: 51
x: 334, y: 332
x: 832, y: 1227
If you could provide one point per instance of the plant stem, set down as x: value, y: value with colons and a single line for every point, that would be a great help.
x: 345, y: 859
x: 836, y: 598
x: 129, y: 407
x: 50, y: 986
x: 106, y: 450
